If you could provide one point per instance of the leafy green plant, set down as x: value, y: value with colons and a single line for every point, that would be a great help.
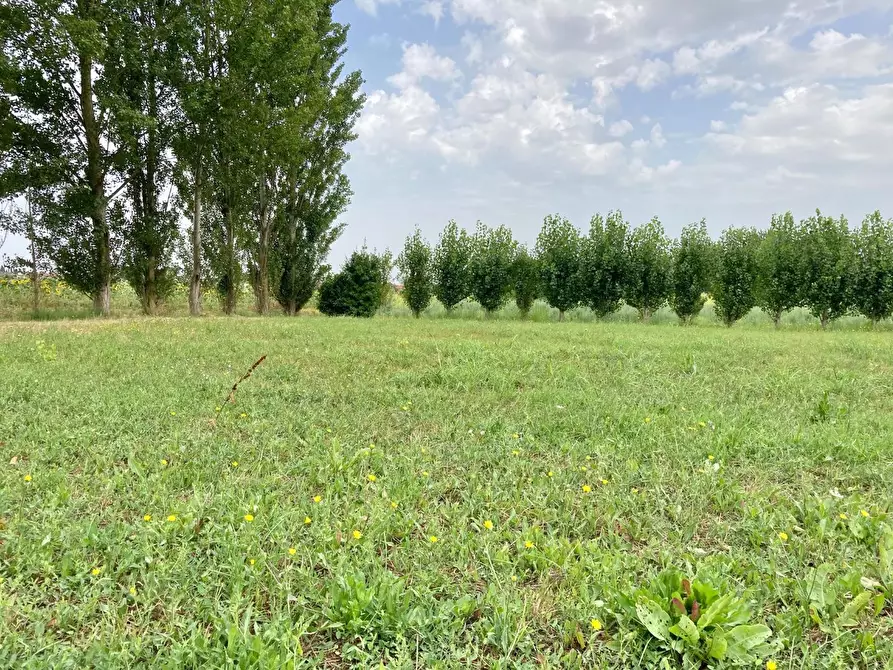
x: 695, y: 624
x: 415, y: 269
x: 525, y: 280
x: 558, y: 249
x: 781, y: 267
x: 694, y: 264
x: 604, y: 263
x: 648, y: 284
x: 357, y: 608
x: 735, y: 285
x: 873, y: 273
x: 357, y: 289
x: 451, y: 266
x: 491, y: 266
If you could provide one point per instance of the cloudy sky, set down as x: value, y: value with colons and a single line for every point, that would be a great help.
x: 507, y: 110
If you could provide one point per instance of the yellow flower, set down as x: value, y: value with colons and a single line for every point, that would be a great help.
x: 709, y: 457
x: 357, y: 534
x: 164, y: 461
x: 371, y: 477
x: 172, y: 517
x: 218, y: 409
x: 515, y: 436
x: 251, y: 561
x: 635, y: 491
x: 147, y: 517
x: 243, y: 415
x: 95, y: 571
x: 488, y: 524
x: 864, y: 513
x: 393, y: 505
x: 771, y: 665
x: 528, y: 545
x: 317, y: 499
x: 596, y: 624
x: 583, y: 468
x: 249, y: 518
x: 173, y: 414
x: 515, y: 452
x: 604, y: 482
x: 843, y: 516
x: 404, y: 408
x: 328, y: 430
x: 514, y: 578
x: 550, y: 473
x: 307, y: 520
x: 425, y: 473
x: 27, y: 478
x: 589, y: 458
x: 235, y: 464
x: 133, y: 590
x: 292, y: 551
x: 701, y: 424
x: 433, y: 539
x: 647, y: 419
x: 587, y: 488
x: 783, y: 536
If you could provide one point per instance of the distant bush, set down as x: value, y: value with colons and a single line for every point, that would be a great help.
x: 735, y: 287
x: 416, y: 270
x: 355, y: 291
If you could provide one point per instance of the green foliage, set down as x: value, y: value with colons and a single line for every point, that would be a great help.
x: 735, y: 287
x: 525, y: 280
x: 558, y: 251
x: 490, y: 267
x: 873, y: 270
x: 694, y: 266
x: 357, y: 290
x: 694, y: 623
x: 828, y: 255
x: 603, y: 263
x: 782, y: 270
x: 415, y: 264
x: 452, y: 279
x: 650, y: 272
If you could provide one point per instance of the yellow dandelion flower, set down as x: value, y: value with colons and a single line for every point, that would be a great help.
x: 771, y: 665
x: 235, y: 464
x: 604, y: 482
x: 583, y: 468
x: 783, y: 536
x: 317, y: 499
x: 587, y: 488
x: 589, y: 458
x: 596, y: 624
x: 307, y: 520
x: 164, y: 461
x: 404, y: 408
x: 434, y: 539
x: 550, y: 474
x: 328, y: 430
x: 249, y: 518
x: 218, y: 409
x: 372, y: 445
x: 635, y: 491
x: 393, y: 505
x: 95, y: 571
x: 514, y: 578
x: 528, y: 545
x: 701, y: 424
x: 709, y: 457
x: 173, y: 414
x: 251, y: 561
x: 147, y: 517
x: 171, y: 517
x: 844, y: 516
x: 357, y: 534
x: 515, y: 436
x: 425, y: 473
x: 865, y: 513
x: 488, y: 524
x: 371, y: 477
x: 515, y: 452
x: 27, y: 478
x: 133, y: 590
x: 647, y: 419
x: 292, y: 551
x: 243, y: 415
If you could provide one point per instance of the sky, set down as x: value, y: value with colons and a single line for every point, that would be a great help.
x: 505, y: 111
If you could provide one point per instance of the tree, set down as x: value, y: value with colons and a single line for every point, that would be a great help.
x: 781, y: 269
x: 829, y: 255
x: 525, y: 280
x: 416, y: 271
x: 558, y: 250
x: 451, y: 266
x: 873, y: 271
x: 694, y: 264
x: 24, y: 222
x: 356, y: 290
x: 490, y: 268
x: 603, y: 263
x: 734, y: 290
x: 55, y: 93
x: 314, y: 189
x: 648, y: 284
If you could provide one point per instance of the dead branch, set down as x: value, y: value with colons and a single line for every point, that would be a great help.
x: 232, y: 394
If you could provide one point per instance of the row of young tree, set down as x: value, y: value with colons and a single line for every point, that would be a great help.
x: 121, y: 118
x: 818, y: 263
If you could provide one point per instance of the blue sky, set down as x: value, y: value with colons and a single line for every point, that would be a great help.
x: 508, y: 110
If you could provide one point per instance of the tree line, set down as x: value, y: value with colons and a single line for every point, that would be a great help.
x: 819, y: 263
x: 119, y: 119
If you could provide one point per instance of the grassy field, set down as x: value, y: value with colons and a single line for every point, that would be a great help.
x: 443, y: 493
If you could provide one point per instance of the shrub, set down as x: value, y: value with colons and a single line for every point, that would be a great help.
x: 525, y: 280
x: 356, y: 290
x: 694, y: 264
x: 558, y: 250
x: 829, y: 255
x: 650, y: 266
x: 734, y: 289
x: 415, y: 269
x: 451, y: 272
x: 873, y: 272
x: 781, y: 284
x: 603, y: 263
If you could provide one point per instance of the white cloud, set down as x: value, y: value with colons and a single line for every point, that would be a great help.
x: 396, y: 121
x: 652, y: 73
x: 422, y: 61
x: 432, y: 8
x: 474, y: 48
x: 620, y: 128
x: 371, y: 6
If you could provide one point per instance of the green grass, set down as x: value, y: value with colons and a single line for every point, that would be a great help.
x: 710, y: 443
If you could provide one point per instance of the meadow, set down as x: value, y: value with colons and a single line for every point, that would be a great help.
x: 444, y: 493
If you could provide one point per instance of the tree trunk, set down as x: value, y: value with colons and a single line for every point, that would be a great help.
x: 229, y: 305
x: 96, y: 182
x: 824, y: 319
x: 646, y: 314
x: 195, y: 282
x: 776, y: 320
x: 151, y: 294
x: 560, y: 315
x: 290, y: 307
x: 35, y: 274
x: 263, y: 280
